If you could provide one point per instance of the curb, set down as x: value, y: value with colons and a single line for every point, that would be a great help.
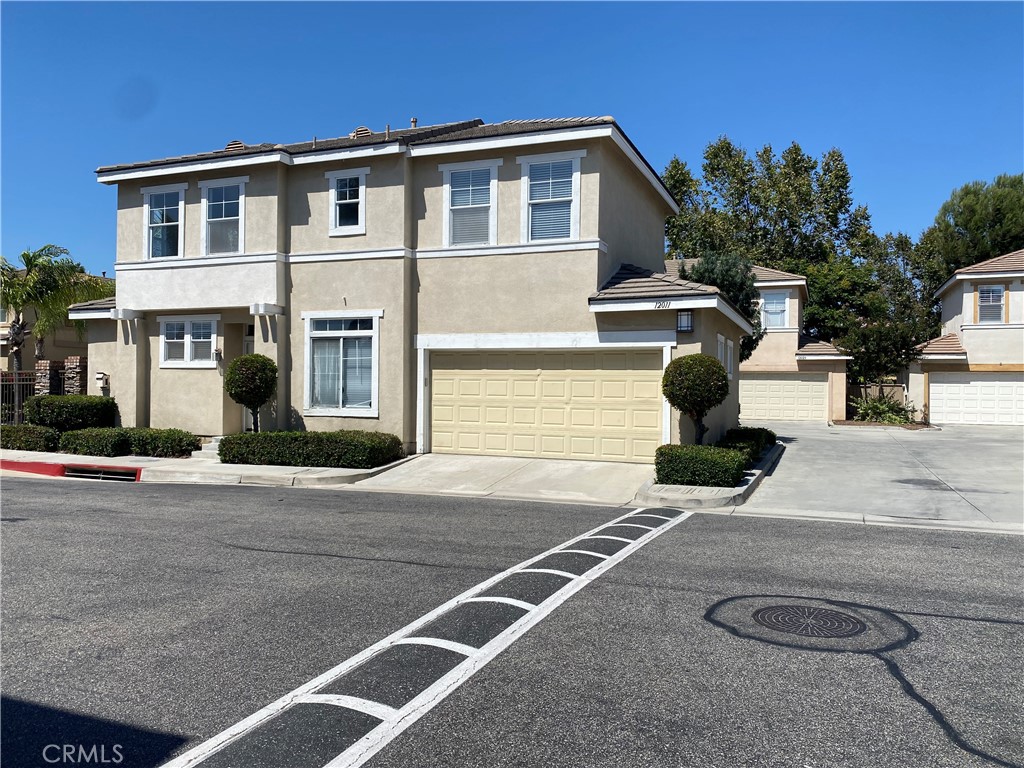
x: 703, y: 497
x: 303, y: 477
x: 64, y: 469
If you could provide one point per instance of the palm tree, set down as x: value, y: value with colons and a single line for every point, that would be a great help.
x: 47, y: 282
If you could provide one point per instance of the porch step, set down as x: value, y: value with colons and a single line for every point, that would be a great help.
x: 209, y: 449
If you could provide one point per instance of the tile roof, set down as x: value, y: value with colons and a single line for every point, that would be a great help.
x: 632, y: 282
x: 810, y: 346
x: 761, y: 274
x: 943, y: 345
x: 107, y: 303
x: 428, y: 134
x: 1008, y: 262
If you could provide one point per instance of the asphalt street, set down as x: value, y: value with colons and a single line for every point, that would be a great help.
x: 151, y: 618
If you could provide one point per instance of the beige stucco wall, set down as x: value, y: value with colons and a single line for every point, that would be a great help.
x: 370, y: 284
x: 707, y: 325
x: 993, y: 344
x: 953, y: 307
x: 120, y: 350
x: 309, y: 206
x: 775, y: 352
x: 632, y: 213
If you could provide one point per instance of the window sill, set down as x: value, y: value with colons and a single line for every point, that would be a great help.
x: 988, y: 326
x: 346, y: 231
x: 200, y: 365
x: 364, y: 413
x: 781, y: 330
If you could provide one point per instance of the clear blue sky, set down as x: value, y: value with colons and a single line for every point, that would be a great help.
x: 920, y: 97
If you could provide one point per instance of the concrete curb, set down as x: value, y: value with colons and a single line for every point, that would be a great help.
x: 652, y: 494
x: 256, y: 474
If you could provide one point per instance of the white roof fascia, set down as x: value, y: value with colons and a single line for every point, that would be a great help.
x: 976, y: 276
x: 91, y: 314
x: 647, y: 305
x: 780, y: 282
x: 735, y: 316
x: 943, y: 357
x: 824, y: 357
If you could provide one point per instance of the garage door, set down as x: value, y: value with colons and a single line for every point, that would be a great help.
x: 603, y: 405
x: 976, y: 398
x: 795, y: 397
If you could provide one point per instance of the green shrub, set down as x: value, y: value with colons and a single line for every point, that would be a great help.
x: 162, y: 443
x: 346, y: 448
x: 97, y: 441
x: 699, y: 465
x: 28, y: 437
x: 754, y: 441
x: 881, y: 409
x: 66, y: 413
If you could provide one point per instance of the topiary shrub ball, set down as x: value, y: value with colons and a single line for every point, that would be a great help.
x: 694, y: 384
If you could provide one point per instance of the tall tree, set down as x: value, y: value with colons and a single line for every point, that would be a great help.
x: 47, y: 281
x: 733, y: 276
x: 979, y: 221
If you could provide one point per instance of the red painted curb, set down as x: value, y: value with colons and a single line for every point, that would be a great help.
x: 59, y: 470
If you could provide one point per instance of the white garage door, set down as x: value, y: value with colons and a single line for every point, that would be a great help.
x: 976, y: 398
x: 790, y: 397
x: 603, y: 405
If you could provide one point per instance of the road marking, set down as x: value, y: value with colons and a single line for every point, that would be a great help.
x: 448, y: 645
x: 565, y: 574
x: 651, y: 514
x: 393, y: 725
x: 588, y: 552
x: 637, y: 525
x: 373, y: 708
x: 507, y: 600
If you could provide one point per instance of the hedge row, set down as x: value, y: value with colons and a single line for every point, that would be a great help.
x: 352, y: 449
x: 699, y: 465
x: 28, y: 437
x: 753, y: 441
x: 66, y: 413
x: 130, y: 441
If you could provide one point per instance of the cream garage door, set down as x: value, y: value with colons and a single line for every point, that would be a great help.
x: 976, y: 398
x: 789, y: 397
x: 603, y: 405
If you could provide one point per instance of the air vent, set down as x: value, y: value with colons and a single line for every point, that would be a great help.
x: 236, y: 144
x: 360, y: 132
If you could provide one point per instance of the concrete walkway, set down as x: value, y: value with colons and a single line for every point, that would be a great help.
x: 955, y: 476
x: 586, y: 482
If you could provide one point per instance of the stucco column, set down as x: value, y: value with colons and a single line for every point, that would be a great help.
x: 270, y: 338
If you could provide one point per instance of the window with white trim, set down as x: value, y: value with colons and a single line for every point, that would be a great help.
x: 164, y: 211
x: 223, y: 207
x: 470, y: 203
x: 730, y: 353
x: 990, y: 303
x: 188, y: 342
x: 774, y: 309
x: 342, y: 364
x: 551, y: 196
x: 721, y: 349
x: 347, y: 199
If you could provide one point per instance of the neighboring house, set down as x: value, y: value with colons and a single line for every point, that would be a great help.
x: 58, y: 346
x: 473, y: 288
x: 973, y: 373
x: 790, y: 376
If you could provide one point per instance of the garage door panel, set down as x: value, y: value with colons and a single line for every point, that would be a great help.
x: 789, y: 397
x: 966, y: 397
x: 583, y: 405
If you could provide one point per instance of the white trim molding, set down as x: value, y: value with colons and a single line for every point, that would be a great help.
x: 204, y: 238
x: 264, y: 310
x: 827, y: 358
x: 525, y: 161
x: 178, y: 263
x: 712, y: 301
x: 492, y: 221
x: 90, y: 314
x: 976, y: 276
x: 359, y: 228
x: 512, y: 250
x: 378, y: 253
x: 581, y: 340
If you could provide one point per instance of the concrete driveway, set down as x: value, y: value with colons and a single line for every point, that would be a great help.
x: 583, y: 482
x: 957, y: 474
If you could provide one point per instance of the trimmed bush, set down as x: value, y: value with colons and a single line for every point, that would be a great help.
x: 28, y: 437
x: 353, y: 449
x: 699, y: 465
x: 162, y: 443
x: 752, y: 440
x: 97, y: 441
x: 66, y: 413
x: 250, y: 381
x: 693, y: 385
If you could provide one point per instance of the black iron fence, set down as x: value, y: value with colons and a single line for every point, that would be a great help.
x: 15, y: 389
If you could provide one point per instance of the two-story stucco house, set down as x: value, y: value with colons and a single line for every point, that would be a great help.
x: 473, y: 288
x: 974, y: 372
x: 790, y: 376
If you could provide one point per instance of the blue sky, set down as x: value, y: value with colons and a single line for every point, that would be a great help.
x: 920, y: 97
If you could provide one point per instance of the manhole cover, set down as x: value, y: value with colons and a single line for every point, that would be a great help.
x: 808, y: 621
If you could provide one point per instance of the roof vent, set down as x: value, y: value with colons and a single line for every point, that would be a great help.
x: 236, y: 144
x: 360, y: 132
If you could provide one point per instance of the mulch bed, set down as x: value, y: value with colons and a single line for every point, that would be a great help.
x: 851, y: 423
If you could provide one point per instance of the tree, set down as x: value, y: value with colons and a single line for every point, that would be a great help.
x: 693, y: 385
x: 250, y: 381
x: 733, y: 276
x: 979, y: 221
x: 47, y: 282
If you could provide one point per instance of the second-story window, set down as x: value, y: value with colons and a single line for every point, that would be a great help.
x: 164, y: 211
x: 990, y: 303
x: 773, y: 310
x: 551, y: 196
x: 347, y: 200
x: 223, y: 215
x: 470, y: 203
